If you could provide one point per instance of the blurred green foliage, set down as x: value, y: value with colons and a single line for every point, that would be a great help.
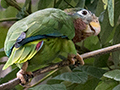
x: 95, y: 68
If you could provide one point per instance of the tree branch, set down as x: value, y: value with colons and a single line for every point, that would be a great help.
x: 68, y: 4
x: 8, y: 19
x: 15, y: 5
x: 16, y: 81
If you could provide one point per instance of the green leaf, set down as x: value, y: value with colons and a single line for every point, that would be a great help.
x: 74, y: 77
x: 115, y: 74
x: 63, y: 4
x: 56, y: 4
x: 116, y: 58
x: 4, y: 4
x: 101, y: 61
x: 18, y: 87
x: 106, y: 85
x: 111, y: 12
x: 45, y: 4
x: 106, y: 28
x: 26, y: 3
x: 1, y: 79
x: 101, y: 16
x: 9, y: 12
x: 89, y: 61
x: 89, y: 85
x: 117, y: 87
x: 81, y: 4
x: 92, y: 1
x: 91, y: 70
x: 116, y: 55
x: 72, y: 86
x: 54, y: 81
x: 3, y: 33
x: 49, y: 87
x: 91, y: 5
x: 2, y: 54
x: 92, y: 41
x: 105, y: 3
x: 99, y: 8
x: 116, y: 40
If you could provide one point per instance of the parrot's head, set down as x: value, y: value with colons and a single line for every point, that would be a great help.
x: 86, y: 23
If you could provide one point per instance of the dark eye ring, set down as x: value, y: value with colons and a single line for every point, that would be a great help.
x: 84, y: 12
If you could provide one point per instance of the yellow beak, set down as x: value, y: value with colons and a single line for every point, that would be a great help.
x: 95, y: 26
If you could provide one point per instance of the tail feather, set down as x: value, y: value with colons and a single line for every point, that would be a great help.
x: 11, y: 59
x: 22, y: 54
x: 30, y: 55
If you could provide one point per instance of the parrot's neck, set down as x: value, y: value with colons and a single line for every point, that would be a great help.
x: 79, y: 27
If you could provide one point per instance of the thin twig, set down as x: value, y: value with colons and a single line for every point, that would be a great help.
x: 68, y: 3
x: 30, y: 7
x: 2, y: 63
x: 44, y: 78
x: 15, y: 5
x: 101, y: 51
x: 16, y: 81
x: 54, y: 3
x: 8, y: 19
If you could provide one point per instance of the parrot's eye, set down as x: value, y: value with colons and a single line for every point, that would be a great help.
x: 84, y: 12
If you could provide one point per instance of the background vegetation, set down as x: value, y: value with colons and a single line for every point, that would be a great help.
x: 99, y: 73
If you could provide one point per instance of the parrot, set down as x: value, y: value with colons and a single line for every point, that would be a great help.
x: 46, y: 36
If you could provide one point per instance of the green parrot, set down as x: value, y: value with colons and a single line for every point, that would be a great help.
x: 46, y: 36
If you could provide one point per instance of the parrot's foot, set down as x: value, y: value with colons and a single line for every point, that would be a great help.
x: 72, y: 58
x: 20, y: 75
x: 23, y: 76
x: 79, y: 59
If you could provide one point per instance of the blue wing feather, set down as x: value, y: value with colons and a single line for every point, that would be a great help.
x: 33, y: 38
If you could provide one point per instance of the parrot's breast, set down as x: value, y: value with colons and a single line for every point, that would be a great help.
x: 52, y: 51
x: 79, y: 27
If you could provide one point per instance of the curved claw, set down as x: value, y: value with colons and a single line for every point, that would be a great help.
x: 20, y: 75
x: 71, y: 59
x: 80, y: 59
x: 23, y: 76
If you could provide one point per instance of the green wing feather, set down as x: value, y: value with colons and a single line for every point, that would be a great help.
x: 42, y: 22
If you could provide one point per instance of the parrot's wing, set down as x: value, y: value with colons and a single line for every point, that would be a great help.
x: 51, y: 22
x: 22, y: 54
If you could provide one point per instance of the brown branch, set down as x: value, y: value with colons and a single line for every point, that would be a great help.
x: 16, y: 81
